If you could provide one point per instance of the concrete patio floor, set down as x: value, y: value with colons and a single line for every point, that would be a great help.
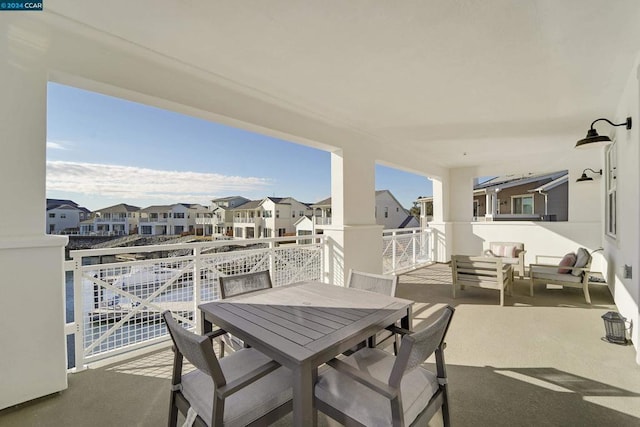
x: 536, y: 361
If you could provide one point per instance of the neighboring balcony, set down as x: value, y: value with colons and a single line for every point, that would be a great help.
x: 255, y: 220
x: 322, y: 220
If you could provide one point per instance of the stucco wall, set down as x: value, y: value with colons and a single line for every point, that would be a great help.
x: 625, y: 247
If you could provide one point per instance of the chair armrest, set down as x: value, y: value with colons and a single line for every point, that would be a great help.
x: 397, y: 330
x: 364, y: 379
x: 214, y: 334
x: 487, y: 252
x: 559, y: 266
x: 245, y: 380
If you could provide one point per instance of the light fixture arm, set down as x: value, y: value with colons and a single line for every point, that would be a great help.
x: 599, y: 171
x: 627, y: 123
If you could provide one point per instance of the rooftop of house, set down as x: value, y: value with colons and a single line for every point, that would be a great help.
x: 120, y: 207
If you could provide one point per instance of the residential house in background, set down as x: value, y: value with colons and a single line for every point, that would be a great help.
x: 269, y: 217
x: 321, y: 212
x: 172, y: 219
x: 221, y: 215
x: 425, y: 204
x: 388, y: 212
x: 64, y: 216
x: 117, y: 220
x: 530, y: 197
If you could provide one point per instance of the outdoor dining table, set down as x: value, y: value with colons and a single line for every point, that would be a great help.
x: 303, y: 325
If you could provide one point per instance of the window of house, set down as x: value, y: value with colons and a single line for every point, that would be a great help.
x: 277, y: 214
x: 238, y: 232
x: 301, y: 213
x: 386, y: 212
x: 522, y: 204
x: 267, y: 232
x: 178, y: 215
x: 250, y: 231
x: 611, y: 214
x: 52, y: 215
x: 281, y: 232
x: 267, y: 214
x: 63, y: 216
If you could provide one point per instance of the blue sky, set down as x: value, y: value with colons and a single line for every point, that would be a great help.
x: 103, y: 151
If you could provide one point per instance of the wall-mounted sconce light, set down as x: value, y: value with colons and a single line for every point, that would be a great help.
x: 593, y: 140
x: 584, y: 176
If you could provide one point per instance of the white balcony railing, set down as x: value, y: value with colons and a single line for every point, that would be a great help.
x: 322, y: 220
x: 117, y: 294
x: 247, y: 220
x: 118, y: 298
x: 405, y: 249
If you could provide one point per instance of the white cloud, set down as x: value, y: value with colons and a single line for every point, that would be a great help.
x: 127, y: 182
x: 57, y: 145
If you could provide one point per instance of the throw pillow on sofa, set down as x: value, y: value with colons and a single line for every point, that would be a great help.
x: 568, y: 260
x: 582, y: 259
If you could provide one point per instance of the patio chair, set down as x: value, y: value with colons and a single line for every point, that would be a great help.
x: 382, y: 284
x: 240, y: 284
x: 374, y: 388
x: 242, y: 389
x: 572, y: 272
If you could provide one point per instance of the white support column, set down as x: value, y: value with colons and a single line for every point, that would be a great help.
x: 33, y: 359
x: 441, y: 226
x: 488, y: 204
x: 354, y: 238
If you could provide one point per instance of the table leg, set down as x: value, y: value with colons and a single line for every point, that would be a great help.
x: 206, y: 325
x: 304, y: 408
x: 407, y: 320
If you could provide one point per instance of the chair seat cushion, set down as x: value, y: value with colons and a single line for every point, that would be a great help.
x: 367, y: 406
x: 550, y: 274
x: 248, y: 404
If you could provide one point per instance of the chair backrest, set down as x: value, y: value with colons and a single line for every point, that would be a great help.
x: 418, y: 346
x: 231, y: 286
x: 197, y: 349
x: 380, y: 283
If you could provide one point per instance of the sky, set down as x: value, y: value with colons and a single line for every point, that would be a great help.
x: 102, y: 151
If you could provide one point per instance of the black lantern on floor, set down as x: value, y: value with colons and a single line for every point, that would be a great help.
x: 615, y: 327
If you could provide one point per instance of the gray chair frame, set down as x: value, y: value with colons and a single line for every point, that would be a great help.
x: 410, y: 356
x: 198, y: 350
x: 228, y: 340
x: 354, y: 282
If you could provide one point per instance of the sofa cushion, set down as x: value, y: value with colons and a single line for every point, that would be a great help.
x: 567, y: 261
x: 582, y: 259
x: 502, y: 250
x: 549, y: 274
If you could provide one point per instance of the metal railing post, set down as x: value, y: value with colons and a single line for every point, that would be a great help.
x: 197, y: 288
x: 272, y: 261
x: 414, y: 238
x: 78, y: 314
x: 394, y: 242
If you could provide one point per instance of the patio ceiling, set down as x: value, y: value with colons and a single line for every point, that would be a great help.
x: 438, y: 77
